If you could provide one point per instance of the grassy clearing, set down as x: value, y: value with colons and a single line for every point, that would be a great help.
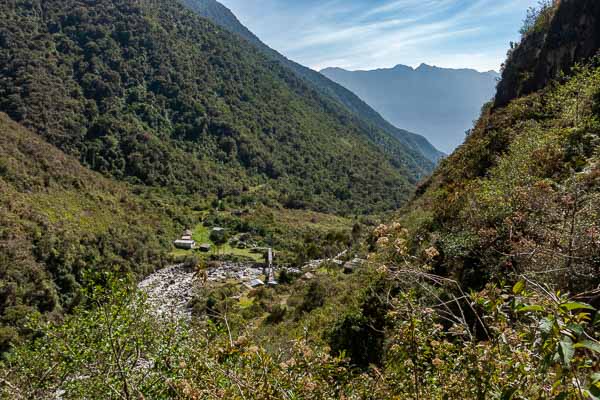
x: 246, y: 302
x: 201, y: 235
x: 299, y: 220
x: 283, y: 229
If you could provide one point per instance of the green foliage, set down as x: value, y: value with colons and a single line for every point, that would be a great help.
x: 313, y: 298
x: 115, y: 332
x: 188, y: 107
x: 276, y: 315
x: 218, y: 236
x: 539, y: 345
x: 213, y: 303
x: 522, y: 195
x: 59, y: 221
x: 118, y: 350
x: 285, y: 277
x: 538, y: 18
x: 360, y: 334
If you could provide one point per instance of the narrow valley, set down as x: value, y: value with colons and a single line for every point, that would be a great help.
x: 186, y: 213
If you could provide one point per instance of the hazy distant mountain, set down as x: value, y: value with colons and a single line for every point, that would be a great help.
x: 417, y: 145
x: 437, y: 102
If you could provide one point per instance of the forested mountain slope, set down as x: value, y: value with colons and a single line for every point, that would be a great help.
x: 521, y: 196
x: 62, y: 225
x: 417, y: 145
x: 482, y: 288
x: 147, y: 92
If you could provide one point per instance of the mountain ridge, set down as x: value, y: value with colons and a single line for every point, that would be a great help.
x: 143, y: 97
x: 439, y: 102
x: 408, y: 67
x: 223, y: 16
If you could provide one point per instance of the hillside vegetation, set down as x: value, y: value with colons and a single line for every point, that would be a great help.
x: 412, y: 146
x: 147, y: 92
x: 62, y: 225
x: 521, y: 195
x: 483, y: 287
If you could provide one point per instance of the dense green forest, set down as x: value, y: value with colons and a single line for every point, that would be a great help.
x: 186, y: 117
x: 416, y: 147
x: 485, y: 286
x: 150, y: 93
x: 62, y: 226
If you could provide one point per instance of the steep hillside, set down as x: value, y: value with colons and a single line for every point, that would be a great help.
x: 59, y: 222
x: 148, y: 92
x: 417, y: 145
x: 521, y: 196
x: 547, y: 50
x: 512, y: 215
x: 440, y: 103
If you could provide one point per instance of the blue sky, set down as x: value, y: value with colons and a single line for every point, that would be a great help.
x: 369, y: 34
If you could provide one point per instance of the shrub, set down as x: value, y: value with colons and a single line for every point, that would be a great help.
x: 276, y: 315
x: 538, y: 18
x: 314, y: 298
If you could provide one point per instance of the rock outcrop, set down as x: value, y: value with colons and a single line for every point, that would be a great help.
x: 171, y: 289
x: 572, y: 36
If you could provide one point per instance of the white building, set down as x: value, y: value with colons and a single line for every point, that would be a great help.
x: 185, y: 244
x: 254, y: 283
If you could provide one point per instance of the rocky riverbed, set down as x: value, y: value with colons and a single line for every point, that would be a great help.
x: 171, y: 289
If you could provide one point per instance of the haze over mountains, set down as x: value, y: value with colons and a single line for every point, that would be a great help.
x: 439, y: 103
x: 219, y: 14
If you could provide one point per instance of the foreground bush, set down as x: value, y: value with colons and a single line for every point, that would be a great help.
x: 534, y: 345
x: 118, y: 350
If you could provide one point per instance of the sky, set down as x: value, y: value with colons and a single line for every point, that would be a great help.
x: 371, y: 34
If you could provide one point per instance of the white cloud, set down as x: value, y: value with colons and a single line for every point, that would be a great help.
x: 363, y: 34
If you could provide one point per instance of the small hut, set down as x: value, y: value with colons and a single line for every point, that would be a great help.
x: 185, y: 244
x: 205, y: 247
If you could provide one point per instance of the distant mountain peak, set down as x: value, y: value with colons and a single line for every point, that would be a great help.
x: 402, y: 67
x: 441, y: 103
x: 333, y: 69
x: 424, y: 66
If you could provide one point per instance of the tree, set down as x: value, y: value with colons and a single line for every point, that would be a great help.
x: 538, y: 17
